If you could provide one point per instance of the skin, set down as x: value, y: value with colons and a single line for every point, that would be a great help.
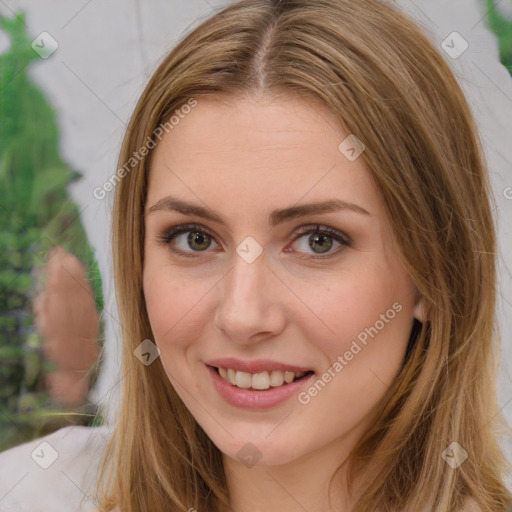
x: 244, y: 157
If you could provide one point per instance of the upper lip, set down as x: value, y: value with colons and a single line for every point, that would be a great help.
x: 255, y: 366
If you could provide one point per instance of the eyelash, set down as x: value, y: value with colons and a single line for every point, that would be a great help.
x: 317, y: 229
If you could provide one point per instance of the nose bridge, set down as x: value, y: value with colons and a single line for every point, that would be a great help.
x: 245, y: 283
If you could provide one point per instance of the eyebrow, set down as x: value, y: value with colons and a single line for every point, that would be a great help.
x: 276, y: 217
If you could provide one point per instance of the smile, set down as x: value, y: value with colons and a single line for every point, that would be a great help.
x: 262, y: 397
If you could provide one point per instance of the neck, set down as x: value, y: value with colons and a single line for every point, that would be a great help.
x: 298, y: 485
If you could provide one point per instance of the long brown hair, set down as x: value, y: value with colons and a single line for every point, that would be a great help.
x: 386, y: 82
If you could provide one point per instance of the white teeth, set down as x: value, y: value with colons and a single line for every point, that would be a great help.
x: 276, y: 378
x: 289, y: 376
x: 243, y: 380
x: 261, y: 380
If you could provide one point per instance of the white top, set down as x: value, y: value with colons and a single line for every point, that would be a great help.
x: 52, y: 473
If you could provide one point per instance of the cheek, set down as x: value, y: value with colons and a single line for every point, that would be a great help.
x: 366, y: 315
x: 370, y: 315
x: 173, y: 306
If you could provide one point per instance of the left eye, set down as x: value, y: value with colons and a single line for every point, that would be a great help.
x: 320, y: 239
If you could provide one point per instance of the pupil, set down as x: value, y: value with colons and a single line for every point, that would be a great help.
x: 200, y: 238
x: 320, y: 239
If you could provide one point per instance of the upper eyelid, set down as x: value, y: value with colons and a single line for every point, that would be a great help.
x: 303, y: 229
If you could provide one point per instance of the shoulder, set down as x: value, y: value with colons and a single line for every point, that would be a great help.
x: 53, y: 472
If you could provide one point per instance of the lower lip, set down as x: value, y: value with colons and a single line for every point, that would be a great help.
x: 249, y: 399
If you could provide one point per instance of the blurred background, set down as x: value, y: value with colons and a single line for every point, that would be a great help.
x: 70, y: 75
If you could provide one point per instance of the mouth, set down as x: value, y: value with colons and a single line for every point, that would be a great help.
x: 260, y: 381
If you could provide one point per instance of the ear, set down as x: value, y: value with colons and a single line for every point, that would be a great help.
x: 418, y: 309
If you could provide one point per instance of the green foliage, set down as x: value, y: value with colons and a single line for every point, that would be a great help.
x: 502, y: 27
x: 36, y: 214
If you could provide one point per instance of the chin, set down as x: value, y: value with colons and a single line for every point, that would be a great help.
x: 258, y: 451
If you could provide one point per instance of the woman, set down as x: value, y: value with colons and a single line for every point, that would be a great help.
x: 304, y: 261
x: 272, y: 106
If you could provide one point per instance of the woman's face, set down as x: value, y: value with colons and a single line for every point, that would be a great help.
x: 257, y: 284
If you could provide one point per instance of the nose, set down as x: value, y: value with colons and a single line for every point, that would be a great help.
x: 249, y: 309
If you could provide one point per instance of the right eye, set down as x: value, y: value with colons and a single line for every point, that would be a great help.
x: 197, y: 238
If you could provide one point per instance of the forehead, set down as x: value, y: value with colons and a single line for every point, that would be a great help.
x: 248, y: 152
